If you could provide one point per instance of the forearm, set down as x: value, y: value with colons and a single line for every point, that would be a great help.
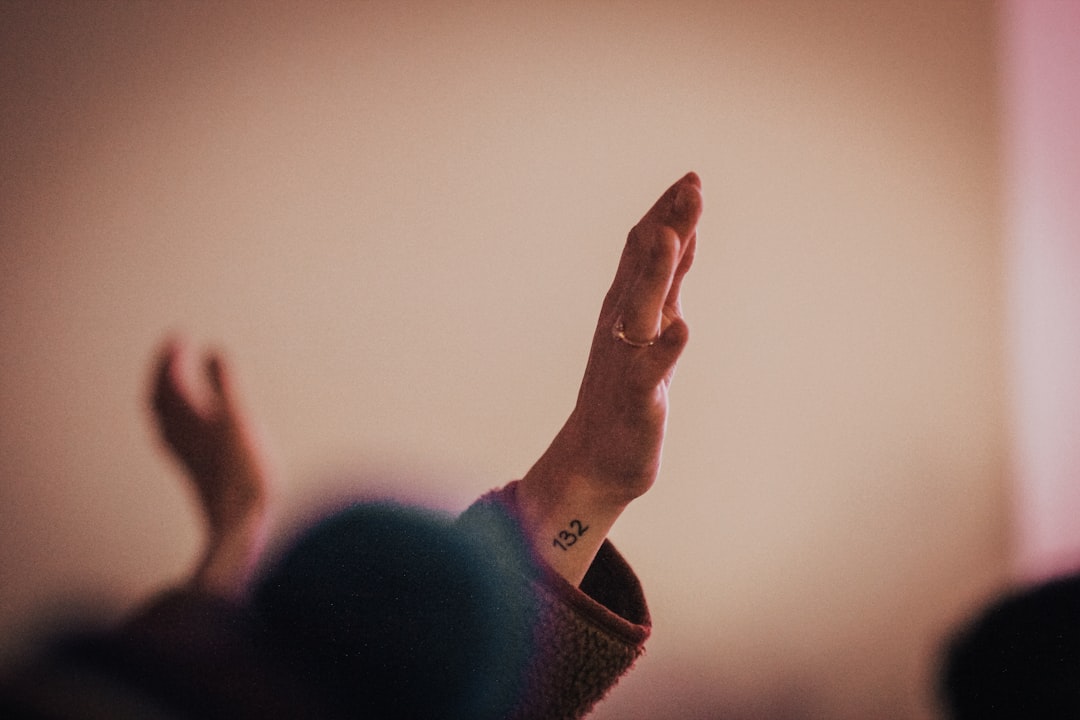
x: 229, y: 560
x: 565, y: 514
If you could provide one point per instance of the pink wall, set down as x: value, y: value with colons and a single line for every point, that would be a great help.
x: 1041, y: 100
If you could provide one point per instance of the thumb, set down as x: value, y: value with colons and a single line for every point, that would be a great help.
x: 663, y: 355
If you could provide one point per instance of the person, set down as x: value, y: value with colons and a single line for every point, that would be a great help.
x: 519, y: 608
x: 1018, y: 658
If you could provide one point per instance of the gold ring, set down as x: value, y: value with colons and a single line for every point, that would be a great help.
x: 618, y: 331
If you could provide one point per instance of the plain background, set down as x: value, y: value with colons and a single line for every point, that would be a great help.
x: 399, y: 220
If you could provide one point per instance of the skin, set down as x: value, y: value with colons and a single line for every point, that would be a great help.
x: 606, y: 455
x: 608, y: 452
x: 212, y: 437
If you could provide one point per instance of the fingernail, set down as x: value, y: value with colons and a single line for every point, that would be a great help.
x: 687, y: 197
x: 680, y: 206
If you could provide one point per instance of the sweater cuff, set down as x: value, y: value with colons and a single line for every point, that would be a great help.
x: 583, y: 638
x: 610, y: 596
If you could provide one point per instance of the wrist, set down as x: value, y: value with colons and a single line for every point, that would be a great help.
x: 564, y: 518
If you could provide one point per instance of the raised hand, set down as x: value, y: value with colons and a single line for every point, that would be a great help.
x: 207, y: 430
x: 609, y: 450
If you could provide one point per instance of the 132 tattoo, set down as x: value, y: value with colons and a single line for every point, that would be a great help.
x: 568, y: 537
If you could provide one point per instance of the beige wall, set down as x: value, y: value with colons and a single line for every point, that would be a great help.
x: 400, y: 218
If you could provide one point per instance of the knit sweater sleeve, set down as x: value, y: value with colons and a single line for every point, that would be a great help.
x: 583, y: 639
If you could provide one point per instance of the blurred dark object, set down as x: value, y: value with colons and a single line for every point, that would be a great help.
x: 380, y: 611
x: 1020, y: 659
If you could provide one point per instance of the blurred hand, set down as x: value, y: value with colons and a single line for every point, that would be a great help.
x: 216, y: 443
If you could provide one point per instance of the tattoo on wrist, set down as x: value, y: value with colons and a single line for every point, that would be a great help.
x: 566, y: 538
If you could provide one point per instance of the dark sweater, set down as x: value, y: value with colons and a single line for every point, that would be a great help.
x: 305, y: 646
